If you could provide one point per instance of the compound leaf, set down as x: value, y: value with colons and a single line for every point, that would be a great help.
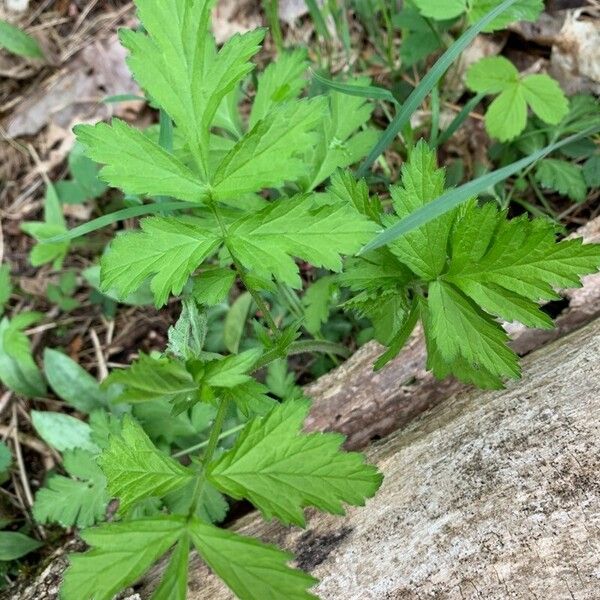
x: 281, y: 471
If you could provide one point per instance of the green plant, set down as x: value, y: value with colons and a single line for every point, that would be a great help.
x: 458, y: 273
x: 522, y: 10
x: 506, y: 117
x: 218, y: 171
x: 18, y: 42
x: 248, y: 186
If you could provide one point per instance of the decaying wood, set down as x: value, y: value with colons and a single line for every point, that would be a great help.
x: 490, y: 495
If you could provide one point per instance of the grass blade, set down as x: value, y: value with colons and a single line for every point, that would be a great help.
x: 426, y: 85
x: 453, y: 198
x: 364, y: 91
x: 460, y: 118
x: 120, y: 215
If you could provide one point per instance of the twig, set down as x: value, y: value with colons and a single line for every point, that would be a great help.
x: 102, y: 369
x: 21, y: 466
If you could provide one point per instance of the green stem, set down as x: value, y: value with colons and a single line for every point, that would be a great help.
x: 301, y: 347
x: 258, y: 299
x: 205, y: 442
x: 211, y: 446
x: 262, y: 305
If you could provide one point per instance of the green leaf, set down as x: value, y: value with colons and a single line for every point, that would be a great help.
x: 265, y: 242
x: 232, y: 370
x: 120, y: 554
x: 18, y: 42
x: 5, y: 460
x: 460, y: 330
x: 138, y: 165
x: 80, y: 501
x: 317, y: 301
x: 177, y: 64
x: 281, y: 471
x: 523, y: 257
x: 442, y: 9
x: 135, y: 469
x: 5, y: 286
x: 235, y: 322
x: 491, y: 75
x: 563, y: 177
x: 187, y: 336
x: 546, y: 99
x: 591, y: 171
x: 19, y: 373
x: 251, y: 569
x: 14, y: 545
x: 271, y: 153
x: 213, y: 285
x: 72, y: 383
x: 62, y: 432
x: 281, y: 81
x: 54, y: 224
x: 424, y: 249
x: 154, y: 379
x: 168, y: 248
x: 507, y: 115
x: 173, y: 584
x: 344, y: 187
x: 250, y: 398
x: 339, y: 145
x: 455, y: 197
x: 522, y: 10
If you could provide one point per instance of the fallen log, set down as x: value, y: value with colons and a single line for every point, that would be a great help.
x: 489, y: 495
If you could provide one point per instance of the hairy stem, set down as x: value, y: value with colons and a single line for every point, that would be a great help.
x: 213, y: 440
x: 262, y: 305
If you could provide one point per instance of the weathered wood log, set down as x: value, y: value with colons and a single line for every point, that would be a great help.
x: 490, y: 495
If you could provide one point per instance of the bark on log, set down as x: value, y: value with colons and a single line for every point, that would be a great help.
x: 490, y: 495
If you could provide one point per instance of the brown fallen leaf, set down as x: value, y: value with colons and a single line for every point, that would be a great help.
x: 575, y: 59
x: 75, y: 94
